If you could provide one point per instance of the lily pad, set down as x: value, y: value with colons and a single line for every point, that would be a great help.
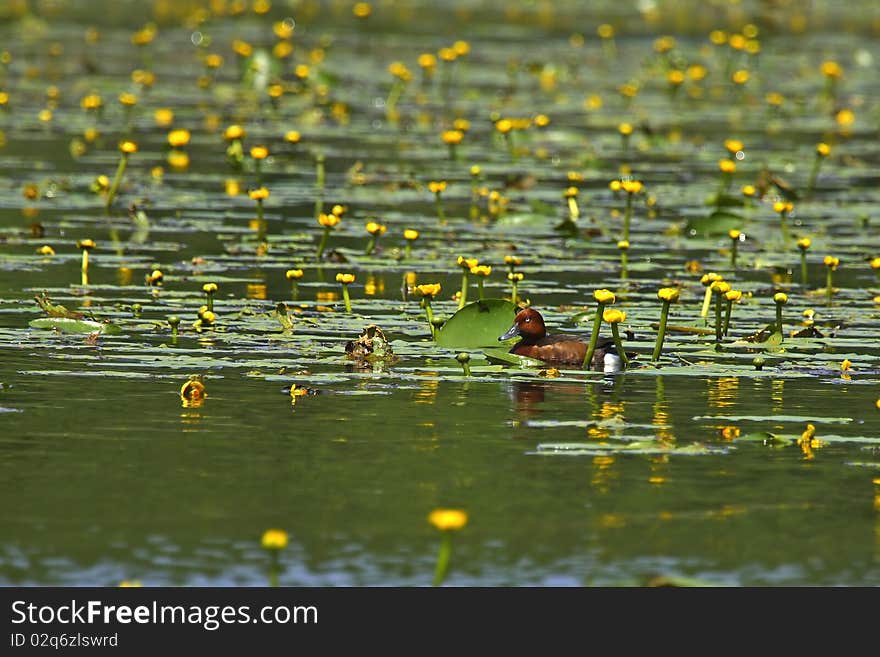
x: 67, y: 325
x: 478, y: 324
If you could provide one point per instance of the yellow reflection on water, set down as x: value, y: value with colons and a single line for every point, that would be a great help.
x: 777, y: 394
x: 256, y: 291
x: 330, y: 295
x: 723, y: 391
x: 427, y: 392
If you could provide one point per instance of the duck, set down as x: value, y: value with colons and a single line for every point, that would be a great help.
x: 560, y: 348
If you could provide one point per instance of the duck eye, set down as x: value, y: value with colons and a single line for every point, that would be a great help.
x: 528, y: 319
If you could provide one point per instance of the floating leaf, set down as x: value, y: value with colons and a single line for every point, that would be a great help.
x: 67, y: 325
x: 478, y: 324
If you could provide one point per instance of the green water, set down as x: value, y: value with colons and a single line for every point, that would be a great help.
x: 106, y: 476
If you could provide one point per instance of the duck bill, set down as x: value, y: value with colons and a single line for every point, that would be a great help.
x: 512, y: 332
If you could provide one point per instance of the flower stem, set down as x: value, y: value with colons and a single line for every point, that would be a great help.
x: 442, y: 567
x: 627, y: 216
x: 346, y: 298
x: 441, y: 215
x: 727, y: 315
x: 718, y: 327
x: 594, y: 337
x: 733, y: 250
x: 619, y: 345
x: 804, y: 268
x: 779, y: 317
x: 117, y: 179
x: 661, y: 331
x: 707, y: 299
x: 323, y: 243
x: 829, y: 284
x: 480, y: 287
x: 429, y: 314
x: 462, y: 299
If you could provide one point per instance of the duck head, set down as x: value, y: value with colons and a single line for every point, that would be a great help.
x: 529, y: 324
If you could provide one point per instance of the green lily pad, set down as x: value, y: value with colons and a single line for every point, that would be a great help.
x: 478, y: 324
x: 503, y: 356
x: 716, y: 223
x: 67, y: 325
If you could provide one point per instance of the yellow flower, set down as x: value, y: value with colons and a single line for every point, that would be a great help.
x: 783, y: 207
x: 467, y: 263
x: 427, y: 60
x: 428, y: 289
x: 328, y: 220
x: 733, y: 145
x: 823, y: 149
x: 233, y: 132
x: 733, y: 295
x: 512, y: 260
x: 475, y: 170
x: 504, y: 126
x: 675, y: 77
x: 274, y: 539
x: 708, y: 279
x: 570, y: 192
x: 875, y: 263
x: 748, y: 190
x: 163, y: 117
x: 128, y: 147
x: 214, y: 60
x: 177, y: 138
x: 625, y: 129
x: 604, y: 296
x: 259, y: 152
x: 614, y: 186
x: 804, y: 243
x: 452, y: 136
x: 374, y: 228
x: 542, y: 120
x: 242, y: 48
x: 437, y: 186
x: 86, y: 244
x: 345, y: 279
x: 623, y: 245
x: 259, y: 194
x: 730, y: 432
x: 727, y: 166
x: 46, y: 250
x: 515, y: 276
x: 741, y: 76
x: 481, y: 270
x: 411, y: 234
x: 613, y: 316
x: 780, y: 298
x: 845, y: 118
x: 670, y: 294
x: 631, y: 186
x: 461, y: 48
x: 718, y: 37
x: 832, y: 262
x: 721, y: 287
x: 605, y: 31
x: 292, y: 136
x: 734, y: 234
x: 774, y: 98
x: 293, y: 274
x: 128, y: 99
x: 91, y: 102
x: 362, y: 9
x: 178, y: 159
x: 846, y: 365
x: 448, y: 519
x: 831, y: 69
